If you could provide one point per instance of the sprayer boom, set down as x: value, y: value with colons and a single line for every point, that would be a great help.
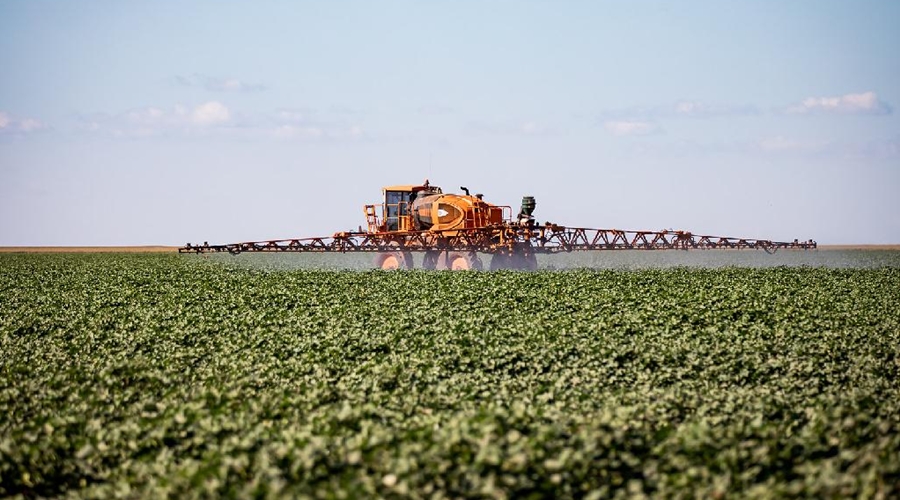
x: 452, y: 229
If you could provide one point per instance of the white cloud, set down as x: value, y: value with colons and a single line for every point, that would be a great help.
x: 782, y: 144
x: 340, y: 109
x: 631, y: 127
x: 678, y: 109
x: 215, y: 119
x: 430, y: 110
x: 207, y: 114
x: 210, y: 113
x: 317, y: 133
x: 701, y: 109
x: 865, y: 103
x: 688, y: 107
x: 147, y: 115
x: 30, y: 125
x: 877, y: 148
x: 306, y: 125
x: 232, y: 85
x: 528, y: 128
x: 298, y: 132
x: 531, y: 128
x: 154, y: 121
x: 10, y: 125
x: 291, y: 115
x: 217, y: 84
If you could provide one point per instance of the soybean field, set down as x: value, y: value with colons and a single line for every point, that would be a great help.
x: 150, y: 375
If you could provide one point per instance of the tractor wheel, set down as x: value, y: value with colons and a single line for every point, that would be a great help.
x: 430, y: 260
x: 394, y: 260
x: 524, y: 261
x: 461, y: 261
x: 518, y: 260
x: 499, y: 261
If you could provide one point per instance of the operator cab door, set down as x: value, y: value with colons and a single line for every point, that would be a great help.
x: 396, y: 205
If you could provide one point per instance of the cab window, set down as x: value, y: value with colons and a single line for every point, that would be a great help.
x: 396, y: 203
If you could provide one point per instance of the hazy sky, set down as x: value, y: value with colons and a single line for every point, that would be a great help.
x: 131, y: 123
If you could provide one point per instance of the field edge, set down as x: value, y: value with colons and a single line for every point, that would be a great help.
x: 97, y: 249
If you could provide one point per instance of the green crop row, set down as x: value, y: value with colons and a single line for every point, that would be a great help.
x: 164, y: 375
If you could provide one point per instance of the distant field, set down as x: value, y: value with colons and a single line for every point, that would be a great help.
x: 88, y: 249
x: 162, y: 375
x: 859, y: 247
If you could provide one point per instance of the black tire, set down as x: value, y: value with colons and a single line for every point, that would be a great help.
x: 431, y: 260
x: 519, y: 260
x: 499, y: 261
x: 525, y: 261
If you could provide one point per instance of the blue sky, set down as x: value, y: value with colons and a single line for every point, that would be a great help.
x: 126, y: 123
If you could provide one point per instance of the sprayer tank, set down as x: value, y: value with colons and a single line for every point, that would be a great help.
x: 442, y: 212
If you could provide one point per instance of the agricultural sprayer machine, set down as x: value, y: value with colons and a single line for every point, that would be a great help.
x: 451, y: 230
